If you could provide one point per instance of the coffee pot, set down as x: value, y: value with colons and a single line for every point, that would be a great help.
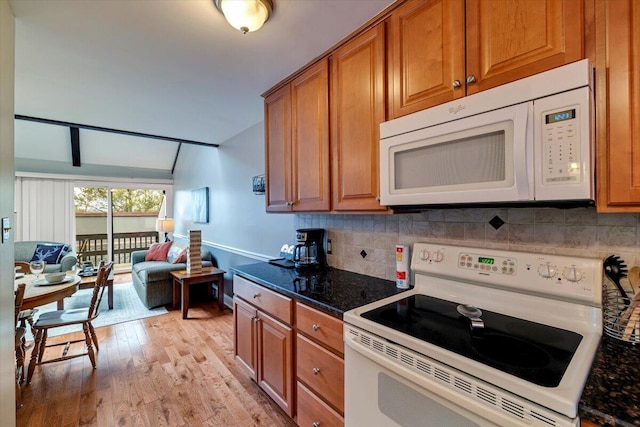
x: 309, y: 253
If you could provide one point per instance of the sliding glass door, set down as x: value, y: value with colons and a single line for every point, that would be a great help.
x: 111, y: 221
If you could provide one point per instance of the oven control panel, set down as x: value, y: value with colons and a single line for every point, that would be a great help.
x: 549, y: 274
x: 487, y: 264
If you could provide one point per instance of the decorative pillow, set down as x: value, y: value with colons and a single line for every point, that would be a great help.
x: 47, y: 252
x: 158, y: 251
x: 182, y: 257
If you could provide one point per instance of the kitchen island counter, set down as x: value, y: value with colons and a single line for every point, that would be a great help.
x: 333, y: 291
x: 611, y: 396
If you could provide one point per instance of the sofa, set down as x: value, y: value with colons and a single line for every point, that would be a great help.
x: 152, y: 280
x: 24, y: 251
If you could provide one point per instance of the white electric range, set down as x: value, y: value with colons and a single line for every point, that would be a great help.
x: 485, y: 338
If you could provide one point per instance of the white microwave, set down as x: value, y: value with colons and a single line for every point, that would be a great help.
x: 526, y: 142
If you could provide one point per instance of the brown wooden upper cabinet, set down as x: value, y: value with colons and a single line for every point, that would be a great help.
x: 618, y: 73
x: 440, y: 50
x: 357, y: 108
x: 297, y: 144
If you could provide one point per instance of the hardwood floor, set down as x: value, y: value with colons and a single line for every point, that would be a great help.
x: 159, y: 371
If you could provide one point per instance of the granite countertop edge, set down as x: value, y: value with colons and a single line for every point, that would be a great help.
x: 344, y: 290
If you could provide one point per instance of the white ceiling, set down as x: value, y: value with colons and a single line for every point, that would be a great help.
x: 172, y: 68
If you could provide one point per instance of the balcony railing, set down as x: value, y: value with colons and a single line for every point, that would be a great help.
x: 93, y: 247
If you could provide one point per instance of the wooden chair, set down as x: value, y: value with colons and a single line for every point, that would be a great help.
x: 19, y: 343
x: 22, y: 267
x: 79, y: 316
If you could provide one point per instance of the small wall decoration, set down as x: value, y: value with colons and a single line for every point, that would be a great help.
x: 258, y: 184
x: 200, y: 203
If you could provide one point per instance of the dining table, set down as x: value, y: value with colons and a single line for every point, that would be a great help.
x: 38, y: 293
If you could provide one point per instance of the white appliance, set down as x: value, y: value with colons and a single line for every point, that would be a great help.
x: 529, y: 141
x: 485, y: 338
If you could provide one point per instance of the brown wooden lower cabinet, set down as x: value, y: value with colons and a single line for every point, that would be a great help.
x: 301, y: 368
x: 263, y: 343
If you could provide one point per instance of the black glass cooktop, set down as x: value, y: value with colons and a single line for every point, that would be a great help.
x: 528, y: 350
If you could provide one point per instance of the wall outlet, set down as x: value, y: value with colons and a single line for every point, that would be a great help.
x: 329, y: 251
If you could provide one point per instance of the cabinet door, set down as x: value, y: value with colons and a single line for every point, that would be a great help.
x: 310, y: 139
x: 509, y: 40
x: 275, y: 366
x: 357, y: 109
x: 426, y: 55
x: 245, y: 339
x: 619, y: 147
x: 277, y: 112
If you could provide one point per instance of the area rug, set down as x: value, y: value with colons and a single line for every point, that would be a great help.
x: 126, y: 307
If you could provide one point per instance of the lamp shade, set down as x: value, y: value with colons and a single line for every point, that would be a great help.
x: 245, y: 15
x: 164, y: 225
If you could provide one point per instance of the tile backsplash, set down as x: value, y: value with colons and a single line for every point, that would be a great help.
x: 366, y: 243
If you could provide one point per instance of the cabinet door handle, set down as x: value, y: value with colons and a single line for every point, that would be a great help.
x: 316, y: 371
x: 471, y: 79
x: 256, y: 295
x: 316, y: 424
x: 457, y: 84
x: 315, y: 327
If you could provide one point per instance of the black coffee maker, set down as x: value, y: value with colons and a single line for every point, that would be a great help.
x: 309, y: 252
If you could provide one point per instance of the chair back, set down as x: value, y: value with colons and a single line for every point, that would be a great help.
x: 19, y: 296
x: 22, y: 267
x: 98, y: 290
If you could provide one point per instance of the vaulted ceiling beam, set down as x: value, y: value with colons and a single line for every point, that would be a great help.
x: 111, y: 130
x: 75, y: 145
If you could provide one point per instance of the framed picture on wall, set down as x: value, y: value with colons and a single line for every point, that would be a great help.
x: 200, y: 204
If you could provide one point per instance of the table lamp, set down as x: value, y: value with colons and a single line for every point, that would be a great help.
x: 165, y: 226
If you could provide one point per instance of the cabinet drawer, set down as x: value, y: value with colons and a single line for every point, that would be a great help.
x: 320, y: 326
x: 312, y: 410
x: 322, y: 371
x: 275, y: 304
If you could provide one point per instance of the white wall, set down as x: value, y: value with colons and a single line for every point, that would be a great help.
x: 237, y: 217
x: 7, y: 331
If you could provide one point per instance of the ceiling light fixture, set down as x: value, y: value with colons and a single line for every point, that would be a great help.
x: 245, y: 15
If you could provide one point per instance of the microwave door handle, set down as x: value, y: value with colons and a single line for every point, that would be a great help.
x: 523, y: 153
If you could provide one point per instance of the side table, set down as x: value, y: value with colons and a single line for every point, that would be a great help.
x: 182, y: 280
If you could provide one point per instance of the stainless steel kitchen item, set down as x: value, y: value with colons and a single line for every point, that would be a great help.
x: 527, y: 367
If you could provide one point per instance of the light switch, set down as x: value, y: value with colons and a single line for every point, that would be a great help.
x: 6, y: 227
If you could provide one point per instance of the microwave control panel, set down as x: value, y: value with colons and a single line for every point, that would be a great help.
x: 561, y: 146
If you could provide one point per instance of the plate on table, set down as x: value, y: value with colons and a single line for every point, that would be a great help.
x: 88, y: 273
x: 43, y: 281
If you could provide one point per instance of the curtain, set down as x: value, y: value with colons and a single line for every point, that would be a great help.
x: 45, y: 210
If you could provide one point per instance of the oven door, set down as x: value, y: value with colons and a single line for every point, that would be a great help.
x: 487, y: 157
x: 382, y: 392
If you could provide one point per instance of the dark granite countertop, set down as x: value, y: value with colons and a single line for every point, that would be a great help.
x: 334, y: 291
x: 611, y: 396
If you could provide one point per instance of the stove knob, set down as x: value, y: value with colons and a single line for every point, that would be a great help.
x: 547, y: 270
x: 437, y: 256
x: 425, y: 255
x: 572, y: 274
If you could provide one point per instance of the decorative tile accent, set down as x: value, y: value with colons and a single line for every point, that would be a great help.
x: 496, y: 222
x: 363, y: 254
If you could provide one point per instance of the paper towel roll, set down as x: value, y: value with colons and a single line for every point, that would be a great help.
x: 402, y: 267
